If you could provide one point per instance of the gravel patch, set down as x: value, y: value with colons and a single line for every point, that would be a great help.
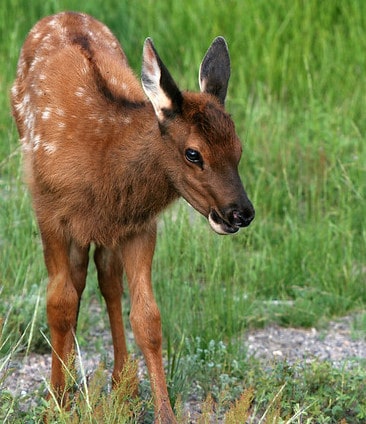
x: 336, y: 343
x: 27, y: 377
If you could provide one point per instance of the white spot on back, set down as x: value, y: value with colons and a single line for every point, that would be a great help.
x: 53, y: 23
x: 20, y: 108
x: 46, y: 113
x: 38, y: 92
x: 36, y: 142
x: 60, y: 112
x: 14, y: 90
x: 126, y: 120
x: 84, y: 69
x: 26, y: 99
x: 80, y: 92
x: 29, y: 121
x: 21, y: 67
x: 36, y: 35
x: 49, y: 148
x: 35, y: 62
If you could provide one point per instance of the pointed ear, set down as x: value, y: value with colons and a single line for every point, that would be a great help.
x: 215, y: 70
x: 159, y: 85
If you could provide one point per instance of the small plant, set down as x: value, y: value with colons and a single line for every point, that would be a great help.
x: 94, y: 403
x: 176, y: 378
x: 212, y: 368
x: 240, y: 411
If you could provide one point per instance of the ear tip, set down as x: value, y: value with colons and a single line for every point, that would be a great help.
x: 148, y: 43
x: 220, y: 40
x: 148, y: 50
x: 220, y: 46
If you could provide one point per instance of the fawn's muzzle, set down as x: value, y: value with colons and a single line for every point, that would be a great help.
x: 231, y: 219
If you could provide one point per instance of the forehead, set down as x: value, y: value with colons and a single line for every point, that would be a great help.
x: 210, y: 120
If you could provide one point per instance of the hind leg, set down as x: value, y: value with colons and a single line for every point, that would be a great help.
x: 67, y: 267
x: 110, y: 270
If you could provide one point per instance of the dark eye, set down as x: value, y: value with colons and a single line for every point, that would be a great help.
x: 194, y: 156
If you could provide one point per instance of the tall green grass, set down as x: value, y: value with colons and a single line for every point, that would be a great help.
x: 297, y: 95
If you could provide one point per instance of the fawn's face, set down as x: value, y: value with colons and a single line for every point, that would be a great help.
x: 202, y: 153
x: 201, y: 150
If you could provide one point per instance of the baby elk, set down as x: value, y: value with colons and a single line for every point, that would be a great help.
x: 103, y: 157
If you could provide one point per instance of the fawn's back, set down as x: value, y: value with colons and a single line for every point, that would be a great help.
x: 86, y: 129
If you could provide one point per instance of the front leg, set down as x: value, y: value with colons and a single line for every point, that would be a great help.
x: 137, y: 254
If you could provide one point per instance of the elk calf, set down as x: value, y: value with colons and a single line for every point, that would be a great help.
x: 102, y: 160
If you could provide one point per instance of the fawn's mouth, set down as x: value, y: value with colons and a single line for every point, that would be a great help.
x: 219, y: 225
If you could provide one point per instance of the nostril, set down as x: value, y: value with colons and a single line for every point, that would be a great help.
x: 236, y: 216
x: 241, y: 219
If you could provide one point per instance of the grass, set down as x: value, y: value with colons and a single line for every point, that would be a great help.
x: 297, y: 97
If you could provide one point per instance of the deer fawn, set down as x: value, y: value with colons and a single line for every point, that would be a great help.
x: 101, y: 161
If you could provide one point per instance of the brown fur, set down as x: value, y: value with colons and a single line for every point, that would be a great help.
x: 100, y: 167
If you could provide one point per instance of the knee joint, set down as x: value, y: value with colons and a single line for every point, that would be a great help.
x: 146, y: 325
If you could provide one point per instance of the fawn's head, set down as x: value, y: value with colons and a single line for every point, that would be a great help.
x: 200, y: 148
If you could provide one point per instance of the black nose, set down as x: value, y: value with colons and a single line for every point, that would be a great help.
x: 241, y: 218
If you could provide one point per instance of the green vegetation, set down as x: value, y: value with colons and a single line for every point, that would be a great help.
x: 297, y: 95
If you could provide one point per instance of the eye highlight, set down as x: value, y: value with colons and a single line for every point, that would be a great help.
x: 194, y: 156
